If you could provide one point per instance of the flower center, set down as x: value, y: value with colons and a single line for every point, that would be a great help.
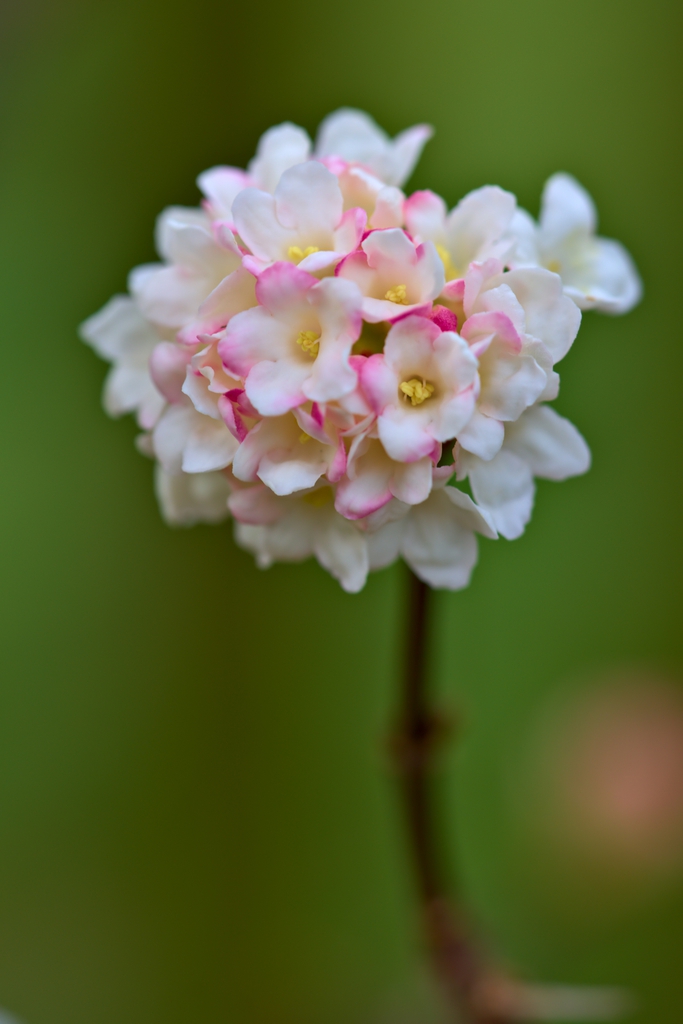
x: 398, y: 294
x: 319, y: 498
x: 449, y: 267
x: 309, y: 342
x: 418, y: 391
x: 295, y: 253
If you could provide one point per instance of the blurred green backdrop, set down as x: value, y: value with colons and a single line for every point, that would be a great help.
x: 197, y: 823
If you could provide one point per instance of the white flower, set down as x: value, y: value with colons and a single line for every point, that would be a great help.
x: 279, y: 149
x: 296, y: 344
x: 541, y: 443
x: 189, y: 440
x: 477, y: 229
x: 597, y: 273
x: 518, y: 324
x: 170, y: 295
x: 282, y: 453
x: 302, y: 222
x: 120, y: 334
x: 395, y: 276
x: 372, y: 479
x: 421, y: 388
x: 290, y: 529
x: 353, y: 136
x: 436, y: 538
x: 189, y: 498
x: 383, y: 204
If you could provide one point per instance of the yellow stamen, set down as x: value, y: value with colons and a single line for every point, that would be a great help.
x: 295, y: 253
x: 309, y: 342
x: 449, y: 267
x: 418, y: 391
x: 304, y: 437
x: 323, y: 496
x: 555, y: 266
x: 398, y: 294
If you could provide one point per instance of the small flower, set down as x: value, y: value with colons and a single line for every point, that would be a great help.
x: 540, y: 443
x: 296, y: 344
x: 518, y: 324
x: 303, y: 222
x: 286, y: 456
x: 120, y: 334
x: 372, y: 479
x: 437, y: 538
x: 170, y: 296
x: 395, y: 276
x: 421, y: 388
x: 597, y: 273
x: 290, y: 529
x: 477, y: 229
x: 353, y: 136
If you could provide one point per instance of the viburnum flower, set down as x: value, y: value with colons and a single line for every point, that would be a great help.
x: 332, y: 362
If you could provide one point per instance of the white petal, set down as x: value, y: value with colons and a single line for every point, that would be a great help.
x: 412, y: 482
x: 566, y: 208
x: 183, y: 235
x: 285, y: 472
x: 257, y: 224
x: 186, y: 499
x: 308, y: 199
x: 523, y: 234
x: 610, y: 282
x: 254, y: 539
x: 478, y: 221
x: 406, y: 150
x: 221, y: 186
x: 550, y: 315
x: 234, y: 294
x: 118, y: 330
x: 127, y: 388
x: 196, y: 387
x: 384, y: 545
x: 341, y: 549
x: 504, y: 487
x: 437, y: 547
x: 171, y: 434
x: 168, y: 296
x: 354, y: 136
x: 469, y: 515
x: 482, y: 435
x: 551, y: 446
x: 210, y: 445
x: 279, y: 148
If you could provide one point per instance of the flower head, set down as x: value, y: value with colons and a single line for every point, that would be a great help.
x: 326, y: 359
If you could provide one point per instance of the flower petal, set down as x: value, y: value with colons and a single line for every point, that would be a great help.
x: 278, y: 149
x: 308, y: 199
x: 549, y: 313
x: 186, y: 499
x: 435, y: 545
x: 551, y: 446
x: 210, y: 445
x: 504, y: 487
x: 341, y: 549
x: 482, y: 436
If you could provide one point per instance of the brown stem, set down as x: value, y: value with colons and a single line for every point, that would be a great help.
x: 464, y: 975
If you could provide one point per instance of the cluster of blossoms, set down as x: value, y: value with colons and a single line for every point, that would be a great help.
x: 325, y: 358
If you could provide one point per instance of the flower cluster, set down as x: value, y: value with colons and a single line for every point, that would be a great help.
x: 326, y: 359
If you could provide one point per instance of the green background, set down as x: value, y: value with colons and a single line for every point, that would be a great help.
x: 197, y: 821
